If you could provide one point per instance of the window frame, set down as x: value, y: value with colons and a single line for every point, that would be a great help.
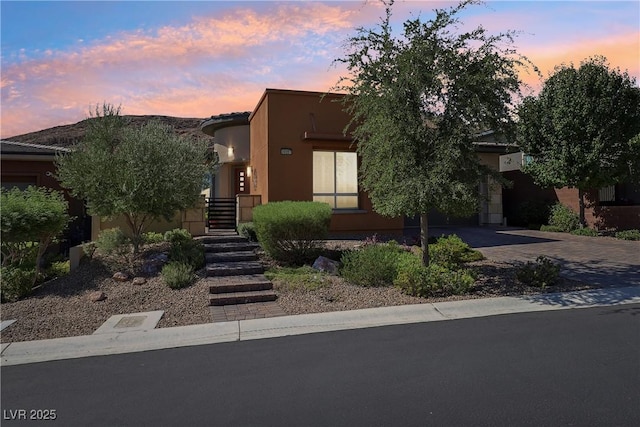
x: 335, y: 195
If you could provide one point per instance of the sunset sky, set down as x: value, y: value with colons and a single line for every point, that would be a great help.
x: 200, y: 58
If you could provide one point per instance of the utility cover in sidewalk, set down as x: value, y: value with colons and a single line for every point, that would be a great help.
x: 130, y: 322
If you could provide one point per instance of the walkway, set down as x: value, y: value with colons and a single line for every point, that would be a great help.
x: 603, y: 261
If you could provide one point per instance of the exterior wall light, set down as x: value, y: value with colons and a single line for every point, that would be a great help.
x: 248, y: 171
x: 230, y: 151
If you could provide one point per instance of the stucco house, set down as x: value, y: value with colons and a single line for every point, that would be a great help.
x: 292, y: 147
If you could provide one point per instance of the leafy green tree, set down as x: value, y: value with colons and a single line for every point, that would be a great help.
x: 417, y: 102
x: 143, y: 173
x: 582, y: 129
x: 31, y: 220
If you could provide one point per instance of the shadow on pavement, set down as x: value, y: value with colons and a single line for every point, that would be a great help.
x: 601, y: 273
x: 586, y: 298
x: 482, y: 237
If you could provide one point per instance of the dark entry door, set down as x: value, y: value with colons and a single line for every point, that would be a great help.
x: 241, y: 181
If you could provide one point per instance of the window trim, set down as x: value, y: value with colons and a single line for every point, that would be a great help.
x: 335, y: 194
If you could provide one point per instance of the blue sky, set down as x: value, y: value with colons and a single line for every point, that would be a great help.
x: 196, y: 59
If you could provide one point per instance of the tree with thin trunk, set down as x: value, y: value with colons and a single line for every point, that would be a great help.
x: 142, y: 173
x: 417, y: 102
x: 579, y: 131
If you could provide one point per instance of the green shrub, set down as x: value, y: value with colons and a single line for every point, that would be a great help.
x: 551, y: 228
x: 152, y: 237
x: 585, y: 231
x: 58, y: 269
x: 177, y: 235
x: 541, y: 273
x: 30, y: 221
x: 248, y: 231
x: 628, y: 235
x: 412, y: 277
x: 291, y: 231
x: 113, y: 241
x: 451, y: 251
x: 564, y: 218
x: 373, y: 265
x: 416, y: 280
x: 89, y: 249
x: 17, y: 282
x: 177, y: 275
x: 184, y: 249
x: 533, y: 213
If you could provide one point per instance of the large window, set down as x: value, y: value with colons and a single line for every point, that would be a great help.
x: 335, y: 179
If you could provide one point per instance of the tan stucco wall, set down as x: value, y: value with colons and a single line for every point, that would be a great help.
x: 192, y: 220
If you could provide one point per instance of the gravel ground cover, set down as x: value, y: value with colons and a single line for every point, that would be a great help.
x: 63, y: 307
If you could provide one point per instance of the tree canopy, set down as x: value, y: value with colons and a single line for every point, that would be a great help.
x: 417, y: 103
x: 143, y: 173
x: 579, y: 130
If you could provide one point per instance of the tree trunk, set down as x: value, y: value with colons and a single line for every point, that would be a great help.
x: 424, y: 238
x: 583, y: 221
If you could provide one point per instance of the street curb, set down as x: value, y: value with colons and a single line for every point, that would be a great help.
x: 19, y: 353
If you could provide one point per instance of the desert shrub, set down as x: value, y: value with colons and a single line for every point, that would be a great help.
x: 30, y: 221
x: 585, y: 231
x: 248, y: 231
x: 177, y: 235
x: 552, y: 228
x: 17, y: 282
x: 628, y: 235
x: 58, y: 269
x: 113, y: 241
x: 177, y: 274
x: 184, y: 249
x: 417, y: 280
x: 541, y: 273
x: 533, y: 213
x: 152, y: 237
x: 451, y: 251
x: 564, y: 218
x: 373, y: 265
x: 305, y: 277
x: 89, y: 249
x: 291, y: 231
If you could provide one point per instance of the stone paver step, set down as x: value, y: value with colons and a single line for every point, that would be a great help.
x: 217, y: 257
x: 222, y: 238
x: 230, y: 247
x: 242, y: 297
x: 234, y: 268
x: 222, y: 287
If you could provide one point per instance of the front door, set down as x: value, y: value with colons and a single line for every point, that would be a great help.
x: 241, y: 181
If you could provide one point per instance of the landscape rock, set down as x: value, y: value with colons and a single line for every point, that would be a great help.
x: 120, y: 276
x: 154, y: 263
x: 139, y: 281
x: 327, y: 265
x: 97, y: 296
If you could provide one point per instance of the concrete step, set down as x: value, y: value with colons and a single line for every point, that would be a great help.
x: 234, y: 268
x: 218, y: 257
x: 230, y: 247
x: 226, y: 287
x: 242, y: 297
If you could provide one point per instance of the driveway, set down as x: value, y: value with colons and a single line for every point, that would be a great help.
x: 603, y: 261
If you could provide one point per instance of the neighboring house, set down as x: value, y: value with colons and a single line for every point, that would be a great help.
x: 292, y: 147
x: 25, y: 164
x: 615, y: 207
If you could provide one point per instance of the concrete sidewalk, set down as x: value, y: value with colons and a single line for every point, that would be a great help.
x: 154, y: 339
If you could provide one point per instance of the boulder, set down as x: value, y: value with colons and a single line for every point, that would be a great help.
x: 120, y: 277
x: 97, y: 296
x: 327, y: 265
x: 139, y: 281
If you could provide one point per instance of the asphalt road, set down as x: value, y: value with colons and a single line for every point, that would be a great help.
x: 566, y: 368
